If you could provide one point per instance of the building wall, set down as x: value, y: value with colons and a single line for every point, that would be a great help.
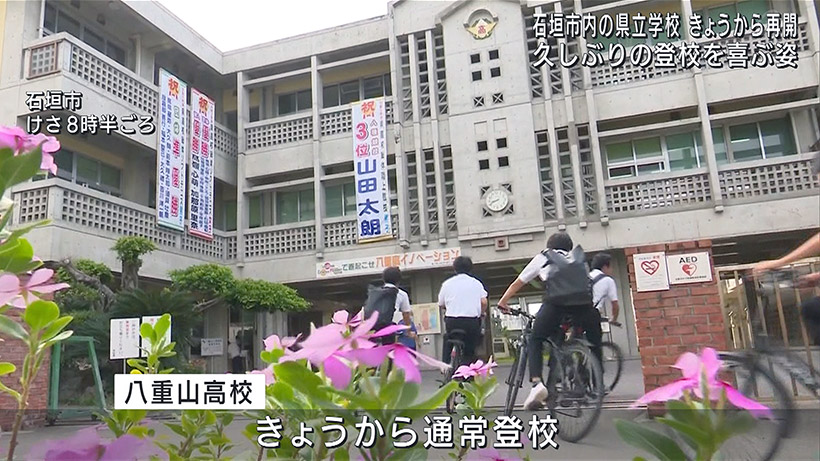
x: 14, y: 351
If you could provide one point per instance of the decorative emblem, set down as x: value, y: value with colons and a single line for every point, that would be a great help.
x: 481, y: 24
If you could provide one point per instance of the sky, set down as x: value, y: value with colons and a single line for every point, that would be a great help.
x: 240, y: 23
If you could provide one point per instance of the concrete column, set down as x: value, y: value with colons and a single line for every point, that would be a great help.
x: 595, y: 145
x: 703, y: 113
x: 431, y: 70
x: 318, y: 190
x: 808, y: 11
x: 241, y: 120
x: 422, y: 191
x: 398, y: 117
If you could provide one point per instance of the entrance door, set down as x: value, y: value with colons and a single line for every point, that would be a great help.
x: 300, y: 323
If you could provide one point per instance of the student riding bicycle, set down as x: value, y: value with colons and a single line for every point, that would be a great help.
x: 554, y: 307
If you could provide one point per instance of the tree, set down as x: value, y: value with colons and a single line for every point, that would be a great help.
x: 130, y: 251
x: 88, y: 279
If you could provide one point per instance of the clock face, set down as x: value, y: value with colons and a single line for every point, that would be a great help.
x: 496, y: 200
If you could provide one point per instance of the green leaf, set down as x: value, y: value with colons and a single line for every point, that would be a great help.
x: 10, y: 391
x: 40, y: 313
x: 18, y: 168
x: 177, y: 429
x: 61, y: 337
x: 6, y: 368
x: 438, y: 398
x: 20, y: 231
x: 409, y: 393
x: 147, y: 331
x: 56, y: 326
x: 698, y: 436
x: 340, y: 454
x: 300, y: 377
x: 11, y: 328
x: 6, y: 217
x: 16, y: 257
x: 661, y: 446
x: 162, y: 326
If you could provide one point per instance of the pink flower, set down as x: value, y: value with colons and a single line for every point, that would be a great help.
x: 478, y: 368
x: 48, y: 144
x: 19, y: 294
x: 13, y: 137
x: 86, y: 445
x: 343, y: 318
x: 492, y: 454
x: 693, y: 368
x: 268, y: 372
x: 16, y: 139
x: 273, y: 342
x: 403, y: 357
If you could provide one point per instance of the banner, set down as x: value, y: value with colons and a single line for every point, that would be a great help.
x: 370, y: 165
x: 201, y: 191
x: 171, y: 154
x: 413, y: 260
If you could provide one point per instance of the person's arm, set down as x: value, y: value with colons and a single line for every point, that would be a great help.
x: 527, y: 275
x: 485, y: 305
x: 613, y: 298
x: 810, y: 248
x: 615, y: 312
x: 405, y: 309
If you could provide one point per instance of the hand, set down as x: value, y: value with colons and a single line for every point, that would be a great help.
x: 412, y: 334
x: 503, y: 307
x: 808, y: 281
x: 765, y: 266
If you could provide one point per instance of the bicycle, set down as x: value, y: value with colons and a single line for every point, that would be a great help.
x: 574, y: 381
x: 456, y: 338
x: 612, y: 359
x: 749, y: 372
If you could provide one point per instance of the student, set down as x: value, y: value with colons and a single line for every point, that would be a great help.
x: 464, y: 299
x: 386, y: 300
x: 409, y: 337
x: 604, y: 290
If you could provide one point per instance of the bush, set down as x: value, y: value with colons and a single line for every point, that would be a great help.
x: 130, y: 249
x: 251, y: 294
x: 211, y: 279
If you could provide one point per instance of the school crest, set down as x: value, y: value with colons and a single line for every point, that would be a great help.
x: 481, y: 24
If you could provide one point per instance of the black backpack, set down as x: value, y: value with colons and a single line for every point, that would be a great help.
x: 568, y: 284
x: 381, y: 299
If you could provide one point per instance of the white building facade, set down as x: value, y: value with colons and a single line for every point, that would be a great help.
x: 616, y: 157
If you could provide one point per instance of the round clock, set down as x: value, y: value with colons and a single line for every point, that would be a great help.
x: 496, y: 200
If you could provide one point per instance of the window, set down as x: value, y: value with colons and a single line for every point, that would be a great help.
x: 503, y: 161
x: 55, y: 21
x: 340, y: 200
x: 682, y: 152
x: 484, y: 164
x: 349, y: 92
x: 295, y: 206
x: 475, y: 58
x: 478, y: 101
x: 767, y: 139
x: 493, y: 54
x: 745, y: 142
x: 721, y: 153
x: 476, y: 75
x: 374, y: 87
x: 482, y: 146
x: 330, y: 96
x: 253, y: 116
x: 498, y: 98
x: 255, y: 211
x: 152, y: 193
x: 745, y: 8
x: 355, y: 90
x: 89, y: 172
x: 495, y: 72
x: 294, y: 102
x: 638, y: 157
x: 230, y: 215
x: 501, y: 143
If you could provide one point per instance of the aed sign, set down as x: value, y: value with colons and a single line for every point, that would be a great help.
x: 689, y: 268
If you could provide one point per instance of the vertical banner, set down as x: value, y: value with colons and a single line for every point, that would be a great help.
x: 172, y: 155
x: 370, y: 160
x: 201, y: 190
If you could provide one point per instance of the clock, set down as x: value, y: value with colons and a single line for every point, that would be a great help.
x: 496, y: 200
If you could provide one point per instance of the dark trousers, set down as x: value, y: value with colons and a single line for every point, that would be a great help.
x: 811, y: 317
x: 237, y: 365
x: 548, y: 323
x: 472, y: 327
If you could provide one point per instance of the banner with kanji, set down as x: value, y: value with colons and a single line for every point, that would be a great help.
x: 171, y: 153
x: 370, y: 167
x: 201, y: 190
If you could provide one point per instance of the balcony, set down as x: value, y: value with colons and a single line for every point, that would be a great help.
x: 63, y: 54
x: 760, y: 180
x: 299, y: 127
x: 88, y: 211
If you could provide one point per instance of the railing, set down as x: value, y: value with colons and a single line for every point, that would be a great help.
x: 767, y: 177
x: 75, y: 206
x: 63, y: 52
x: 281, y: 131
x: 658, y: 191
x: 604, y: 75
x: 277, y: 240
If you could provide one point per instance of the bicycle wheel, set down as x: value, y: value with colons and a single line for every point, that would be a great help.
x: 450, y: 404
x: 515, y: 379
x: 578, y: 403
x: 613, y: 363
x: 762, y: 442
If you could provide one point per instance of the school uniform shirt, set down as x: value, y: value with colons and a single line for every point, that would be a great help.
x: 604, y: 292
x: 461, y: 296
x: 535, y: 268
x: 402, y: 299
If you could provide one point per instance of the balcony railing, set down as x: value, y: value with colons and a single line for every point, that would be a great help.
x: 750, y: 180
x: 605, y: 75
x: 72, y: 206
x: 299, y: 127
x: 658, y: 191
x: 64, y: 53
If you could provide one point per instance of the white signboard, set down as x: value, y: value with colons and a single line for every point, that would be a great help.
x: 689, y: 268
x: 651, y: 273
x: 125, y: 339
x: 370, y: 168
x: 172, y: 156
x: 376, y: 264
x: 190, y: 392
x: 200, y: 193
x: 211, y: 346
x: 146, y: 343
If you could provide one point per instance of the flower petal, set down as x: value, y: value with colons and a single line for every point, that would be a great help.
x: 9, y: 283
x: 341, y: 317
x: 389, y: 330
x: 465, y: 371
x: 689, y: 364
x: 370, y: 357
x: 338, y: 372
x: 272, y: 342
x: 40, y: 276
x: 268, y: 372
x: 670, y: 391
x: 128, y: 447
x: 741, y: 401
x: 429, y: 360
x: 404, y: 360
x: 711, y: 363
x: 45, y: 289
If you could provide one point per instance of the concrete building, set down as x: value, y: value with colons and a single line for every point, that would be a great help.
x: 618, y: 157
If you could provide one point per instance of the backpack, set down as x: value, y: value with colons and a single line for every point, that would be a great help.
x: 597, y: 279
x: 568, y: 284
x: 381, y: 299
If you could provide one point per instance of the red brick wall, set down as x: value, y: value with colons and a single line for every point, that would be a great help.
x: 14, y: 351
x: 686, y: 318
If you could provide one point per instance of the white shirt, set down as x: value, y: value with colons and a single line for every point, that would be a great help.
x: 461, y: 296
x: 233, y: 350
x: 604, y: 292
x: 535, y: 268
x: 402, y: 299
